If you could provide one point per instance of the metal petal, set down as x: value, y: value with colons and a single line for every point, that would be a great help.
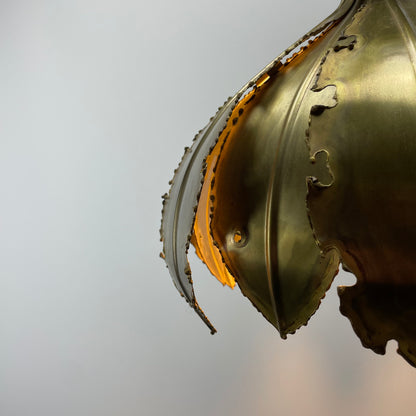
x: 181, y: 204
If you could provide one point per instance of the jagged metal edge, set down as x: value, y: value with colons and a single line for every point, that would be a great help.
x: 181, y: 203
x: 312, y: 182
x: 345, y: 308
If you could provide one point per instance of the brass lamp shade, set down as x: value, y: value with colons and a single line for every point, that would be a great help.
x: 312, y: 164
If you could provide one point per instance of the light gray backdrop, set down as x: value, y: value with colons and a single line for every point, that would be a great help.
x: 97, y: 101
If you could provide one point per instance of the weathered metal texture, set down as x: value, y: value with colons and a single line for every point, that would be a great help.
x: 369, y: 213
x: 309, y: 165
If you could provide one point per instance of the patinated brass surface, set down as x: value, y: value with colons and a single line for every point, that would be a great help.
x: 309, y: 165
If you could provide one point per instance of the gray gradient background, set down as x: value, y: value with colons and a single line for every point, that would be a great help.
x: 98, y: 99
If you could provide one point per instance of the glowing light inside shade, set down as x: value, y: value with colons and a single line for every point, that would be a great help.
x: 202, y: 239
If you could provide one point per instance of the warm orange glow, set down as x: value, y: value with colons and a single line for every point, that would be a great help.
x: 238, y: 237
x: 202, y: 239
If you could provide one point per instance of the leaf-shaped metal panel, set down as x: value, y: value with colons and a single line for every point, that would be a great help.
x: 181, y: 204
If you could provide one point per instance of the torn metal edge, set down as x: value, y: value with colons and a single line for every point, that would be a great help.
x: 180, y: 277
